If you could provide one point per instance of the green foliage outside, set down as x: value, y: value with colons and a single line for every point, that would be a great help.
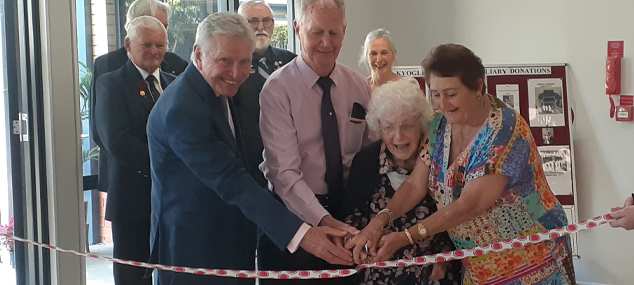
x: 85, y: 81
x: 181, y: 32
x: 186, y: 14
x: 280, y: 37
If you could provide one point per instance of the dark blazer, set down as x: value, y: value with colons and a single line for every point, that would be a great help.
x: 204, y: 203
x: 247, y: 102
x: 362, y: 180
x: 111, y: 61
x: 120, y: 119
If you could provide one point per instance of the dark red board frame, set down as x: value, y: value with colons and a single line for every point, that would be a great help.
x: 562, y: 133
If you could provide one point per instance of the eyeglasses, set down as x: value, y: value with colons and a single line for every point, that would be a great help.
x: 405, y: 127
x: 255, y: 22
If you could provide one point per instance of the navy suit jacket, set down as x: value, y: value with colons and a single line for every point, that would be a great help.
x: 112, y: 61
x: 204, y: 203
x: 247, y: 102
x: 120, y: 120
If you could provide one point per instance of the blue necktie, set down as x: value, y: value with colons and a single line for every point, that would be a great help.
x: 330, y: 135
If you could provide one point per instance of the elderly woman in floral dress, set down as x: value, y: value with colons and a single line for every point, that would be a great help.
x: 400, y: 112
x: 486, y: 177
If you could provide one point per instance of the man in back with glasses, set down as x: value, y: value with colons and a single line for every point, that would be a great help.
x: 266, y: 59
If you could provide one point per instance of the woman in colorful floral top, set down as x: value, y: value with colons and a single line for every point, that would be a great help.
x: 486, y: 177
x: 401, y: 113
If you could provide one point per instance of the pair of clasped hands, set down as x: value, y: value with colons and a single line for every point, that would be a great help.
x: 370, y: 245
x: 624, y: 216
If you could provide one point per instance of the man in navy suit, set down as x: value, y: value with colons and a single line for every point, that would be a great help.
x: 114, y: 60
x: 127, y: 96
x: 266, y: 59
x: 205, y: 206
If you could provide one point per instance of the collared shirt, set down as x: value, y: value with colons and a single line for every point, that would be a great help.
x: 225, y: 103
x: 156, y: 73
x: 290, y: 123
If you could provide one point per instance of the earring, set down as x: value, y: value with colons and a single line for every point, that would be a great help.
x: 479, y: 96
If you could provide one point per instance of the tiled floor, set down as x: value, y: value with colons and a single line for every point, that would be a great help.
x: 99, y: 272
x: 6, y: 271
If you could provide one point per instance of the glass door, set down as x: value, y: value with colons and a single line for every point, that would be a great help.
x: 7, y: 247
x: 21, y: 202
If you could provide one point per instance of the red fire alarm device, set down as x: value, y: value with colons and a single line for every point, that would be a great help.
x: 613, y: 75
x: 624, y: 112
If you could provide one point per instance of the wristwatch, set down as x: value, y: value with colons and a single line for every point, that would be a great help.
x: 422, y: 230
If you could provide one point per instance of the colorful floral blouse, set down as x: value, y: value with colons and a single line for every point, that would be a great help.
x: 504, y: 146
x: 439, y: 243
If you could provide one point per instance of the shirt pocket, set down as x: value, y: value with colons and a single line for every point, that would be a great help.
x: 353, y: 136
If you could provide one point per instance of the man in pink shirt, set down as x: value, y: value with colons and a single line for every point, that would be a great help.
x: 312, y: 122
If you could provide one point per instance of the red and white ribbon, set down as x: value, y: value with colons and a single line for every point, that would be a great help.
x: 319, y: 274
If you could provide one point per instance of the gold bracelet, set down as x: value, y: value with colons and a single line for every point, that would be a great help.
x: 409, y: 236
x: 422, y: 230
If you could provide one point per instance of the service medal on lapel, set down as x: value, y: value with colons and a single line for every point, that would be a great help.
x: 278, y: 64
x: 252, y: 69
x: 143, y: 86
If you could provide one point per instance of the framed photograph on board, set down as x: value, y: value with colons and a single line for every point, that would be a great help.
x: 546, y: 102
x: 558, y: 168
x: 509, y: 94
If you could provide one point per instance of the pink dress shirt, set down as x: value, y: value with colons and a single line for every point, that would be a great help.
x: 290, y: 123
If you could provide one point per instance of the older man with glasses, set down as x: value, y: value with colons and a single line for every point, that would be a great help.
x: 266, y: 59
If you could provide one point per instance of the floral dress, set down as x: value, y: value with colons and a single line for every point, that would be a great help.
x: 439, y: 243
x: 504, y: 146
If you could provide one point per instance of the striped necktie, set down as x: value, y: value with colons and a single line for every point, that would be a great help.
x: 154, y: 92
x: 263, y: 68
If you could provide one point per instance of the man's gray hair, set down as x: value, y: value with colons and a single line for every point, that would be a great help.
x: 222, y: 24
x: 401, y: 97
x: 143, y: 22
x: 250, y: 3
x: 373, y: 35
x: 301, y: 7
x: 147, y: 8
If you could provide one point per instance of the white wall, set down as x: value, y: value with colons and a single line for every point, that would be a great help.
x: 538, y: 31
x: 408, y: 21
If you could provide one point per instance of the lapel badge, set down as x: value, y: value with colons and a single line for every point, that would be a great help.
x: 142, y: 85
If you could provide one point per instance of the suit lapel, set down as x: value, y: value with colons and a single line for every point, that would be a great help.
x: 216, y: 108
x: 218, y: 114
x: 140, y: 87
x: 238, y: 137
x: 165, y: 80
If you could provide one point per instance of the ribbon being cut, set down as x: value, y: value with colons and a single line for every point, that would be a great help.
x: 321, y: 274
